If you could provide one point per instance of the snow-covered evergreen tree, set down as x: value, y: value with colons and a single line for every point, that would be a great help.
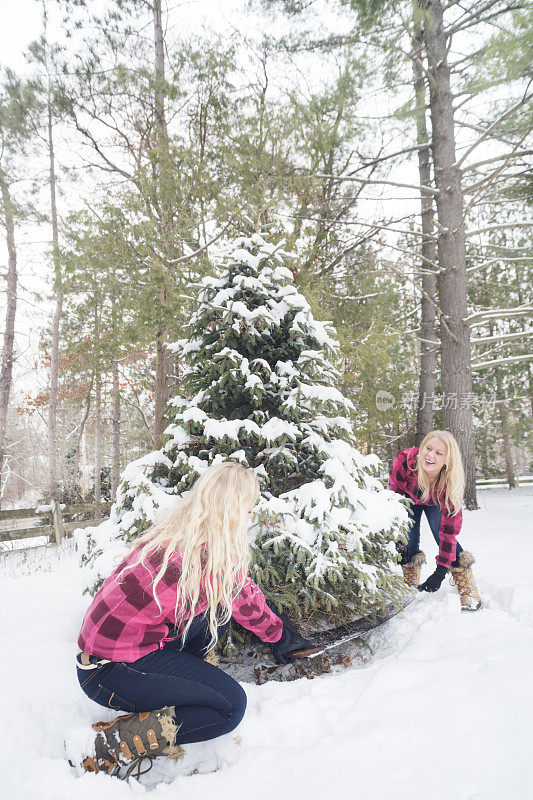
x: 260, y: 389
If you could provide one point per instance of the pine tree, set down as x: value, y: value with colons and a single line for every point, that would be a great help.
x: 261, y: 390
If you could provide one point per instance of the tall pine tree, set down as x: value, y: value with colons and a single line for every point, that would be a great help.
x: 260, y: 386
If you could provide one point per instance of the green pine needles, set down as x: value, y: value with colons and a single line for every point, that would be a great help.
x: 260, y: 389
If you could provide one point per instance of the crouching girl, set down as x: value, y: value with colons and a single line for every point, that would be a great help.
x: 149, y: 627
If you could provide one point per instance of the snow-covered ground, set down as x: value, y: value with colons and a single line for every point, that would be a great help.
x: 443, y: 708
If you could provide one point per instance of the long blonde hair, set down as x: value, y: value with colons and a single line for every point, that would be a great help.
x: 450, y: 484
x: 208, y: 530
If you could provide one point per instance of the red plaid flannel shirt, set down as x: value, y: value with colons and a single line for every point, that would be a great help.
x: 403, y: 479
x: 123, y: 622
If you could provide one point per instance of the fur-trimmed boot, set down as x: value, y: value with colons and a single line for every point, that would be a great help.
x: 412, y: 570
x: 463, y: 577
x: 130, y: 739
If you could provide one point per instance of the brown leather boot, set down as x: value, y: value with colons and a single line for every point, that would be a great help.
x: 130, y: 739
x: 463, y: 577
x: 412, y: 570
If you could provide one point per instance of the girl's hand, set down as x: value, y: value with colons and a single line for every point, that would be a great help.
x: 291, y: 639
x: 434, y: 581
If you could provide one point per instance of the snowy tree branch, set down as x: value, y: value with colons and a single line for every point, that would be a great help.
x: 503, y: 226
x: 499, y: 313
x: 496, y: 260
x: 508, y: 360
x: 504, y: 337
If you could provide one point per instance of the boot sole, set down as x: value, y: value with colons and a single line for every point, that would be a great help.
x: 471, y: 610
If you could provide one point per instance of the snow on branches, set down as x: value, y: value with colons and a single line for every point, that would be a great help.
x: 260, y: 388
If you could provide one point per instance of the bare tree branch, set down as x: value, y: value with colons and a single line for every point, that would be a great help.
x: 430, y: 300
x: 497, y: 260
x: 495, y: 124
x: 202, y: 249
x: 412, y: 186
x: 503, y: 226
x: 503, y: 157
x: 475, y: 18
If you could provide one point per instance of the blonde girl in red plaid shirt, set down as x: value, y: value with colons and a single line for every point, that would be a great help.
x: 148, y: 630
x: 432, y: 477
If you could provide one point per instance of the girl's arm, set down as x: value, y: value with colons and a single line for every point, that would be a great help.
x: 448, y: 531
x: 398, y: 473
x: 449, y: 528
x: 250, y: 610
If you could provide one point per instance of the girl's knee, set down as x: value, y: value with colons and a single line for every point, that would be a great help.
x: 238, y: 706
x: 239, y: 701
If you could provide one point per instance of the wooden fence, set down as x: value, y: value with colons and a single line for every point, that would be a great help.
x: 55, y: 521
x: 495, y: 483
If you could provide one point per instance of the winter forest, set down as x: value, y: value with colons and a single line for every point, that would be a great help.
x: 294, y: 235
x: 391, y: 159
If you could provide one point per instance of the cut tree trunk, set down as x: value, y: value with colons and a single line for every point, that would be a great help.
x: 455, y: 333
x: 6, y: 370
x: 428, y: 350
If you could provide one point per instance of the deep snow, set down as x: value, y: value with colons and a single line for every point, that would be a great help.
x: 442, y: 709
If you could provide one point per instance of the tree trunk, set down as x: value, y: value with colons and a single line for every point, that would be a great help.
x: 97, y: 412
x: 98, y: 442
x: 115, y: 455
x: 524, y: 326
x: 83, y: 460
x: 161, y: 364
x: 428, y: 351
x: 161, y: 389
x: 81, y: 448
x: 6, y: 372
x: 504, y: 421
x: 54, y: 353
x: 159, y: 46
x: 503, y: 413
x: 115, y: 471
x: 455, y: 334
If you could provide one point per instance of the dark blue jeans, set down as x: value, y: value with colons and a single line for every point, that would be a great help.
x: 208, y: 702
x: 433, y: 517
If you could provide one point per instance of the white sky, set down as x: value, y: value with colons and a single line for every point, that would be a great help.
x: 21, y: 21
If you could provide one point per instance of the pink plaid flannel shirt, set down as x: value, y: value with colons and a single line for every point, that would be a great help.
x: 123, y: 622
x: 403, y: 479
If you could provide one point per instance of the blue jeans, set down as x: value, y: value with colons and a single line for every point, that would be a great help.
x: 208, y: 702
x: 433, y: 517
